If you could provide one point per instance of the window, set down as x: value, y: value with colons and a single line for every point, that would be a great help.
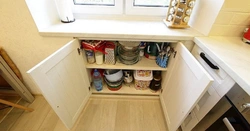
x: 95, y: 2
x: 97, y: 6
x: 122, y: 7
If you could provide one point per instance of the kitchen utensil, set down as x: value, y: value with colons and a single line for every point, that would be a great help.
x: 114, y: 86
x: 113, y: 75
x: 162, y: 58
x: 152, y: 50
x: 128, y: 53
x: 110, y: 48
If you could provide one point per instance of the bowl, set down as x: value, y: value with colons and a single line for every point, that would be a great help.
x: 114, y: 86
x: 113, y: 75
x: 115, y: 89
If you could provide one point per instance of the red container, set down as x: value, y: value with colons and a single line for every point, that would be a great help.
x: 246, y: 36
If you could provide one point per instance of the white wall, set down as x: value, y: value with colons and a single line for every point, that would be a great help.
x: 204, y: 15
x: 233, y: 18
x: 21, y: 40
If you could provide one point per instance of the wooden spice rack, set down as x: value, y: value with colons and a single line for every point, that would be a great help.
x: 179, y: 12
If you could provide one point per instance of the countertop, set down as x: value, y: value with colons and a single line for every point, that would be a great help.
x: 119, y: 30
x: 231, y: 54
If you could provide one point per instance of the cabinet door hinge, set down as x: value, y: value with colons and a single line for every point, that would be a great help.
x: 175, y: 52
x: 79, y: 51
x: 161, y: 90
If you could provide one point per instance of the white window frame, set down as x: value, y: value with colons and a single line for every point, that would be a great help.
x: 130, y: 9
x: 98, y: 9
x: 122, y: 7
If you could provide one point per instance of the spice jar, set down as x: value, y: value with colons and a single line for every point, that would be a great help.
x: 155, y: 84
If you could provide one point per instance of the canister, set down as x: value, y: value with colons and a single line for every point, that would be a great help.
x: 99, y: 57
x: 155, y: 84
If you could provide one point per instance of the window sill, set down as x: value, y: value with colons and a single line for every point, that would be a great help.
x: 119, y: 30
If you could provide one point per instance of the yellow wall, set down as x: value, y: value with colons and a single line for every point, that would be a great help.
x: 21, y: 40
x: 233, y: 18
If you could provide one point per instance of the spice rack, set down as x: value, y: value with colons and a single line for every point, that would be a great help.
x: 179, y: 13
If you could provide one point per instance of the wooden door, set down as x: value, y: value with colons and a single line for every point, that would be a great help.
x: 63, y: 80
x: 185, y: 83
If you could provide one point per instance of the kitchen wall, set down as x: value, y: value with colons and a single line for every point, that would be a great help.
x: 232, y: 19
x: 20, y: 38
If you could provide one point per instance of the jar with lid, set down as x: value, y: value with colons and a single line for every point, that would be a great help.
x: 155, y: 84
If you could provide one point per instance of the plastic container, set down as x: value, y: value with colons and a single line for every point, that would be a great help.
x: 97, y: 80
x: 99, y: 57
x: 142, y: 79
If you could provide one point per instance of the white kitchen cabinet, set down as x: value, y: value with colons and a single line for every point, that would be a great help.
x: 63, y: 79
x: 64, y: 83
x: 186, y: 82
x: 221, y: 85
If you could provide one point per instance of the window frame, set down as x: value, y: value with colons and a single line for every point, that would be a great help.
x: 98, y: 9
x: 130, y: 9
x: 122, y: 7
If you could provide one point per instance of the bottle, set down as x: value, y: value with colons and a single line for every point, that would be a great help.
x: 97, y: 80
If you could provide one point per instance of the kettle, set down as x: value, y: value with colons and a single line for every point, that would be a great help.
x: 152, y: 50
x: 246, y: 36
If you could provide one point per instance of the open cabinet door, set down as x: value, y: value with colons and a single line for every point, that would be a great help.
x: 64, y: 82
x: 185, y: 83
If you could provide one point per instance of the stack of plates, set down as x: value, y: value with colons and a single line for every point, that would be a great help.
x: 129, y: 52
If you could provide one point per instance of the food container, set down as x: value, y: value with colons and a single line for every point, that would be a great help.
x: 91, y: 47
x: 142, y: 79
x: 90, y: 55
x: 99, y: 57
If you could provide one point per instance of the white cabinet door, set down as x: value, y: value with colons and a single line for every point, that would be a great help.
x: 63, y: 80
x: 185, y: 83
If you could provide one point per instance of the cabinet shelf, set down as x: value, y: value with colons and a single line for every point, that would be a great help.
x: 125, y: 90
x: 143, y: 64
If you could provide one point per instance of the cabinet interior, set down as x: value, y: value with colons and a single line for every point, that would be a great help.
x: 143, y: 64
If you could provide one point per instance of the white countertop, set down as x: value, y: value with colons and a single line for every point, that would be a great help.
x: 119, y: 30
x: 231, y: 54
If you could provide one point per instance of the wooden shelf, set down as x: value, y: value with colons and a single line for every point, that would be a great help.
x: 125, y: 90
x: 143, y: 64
